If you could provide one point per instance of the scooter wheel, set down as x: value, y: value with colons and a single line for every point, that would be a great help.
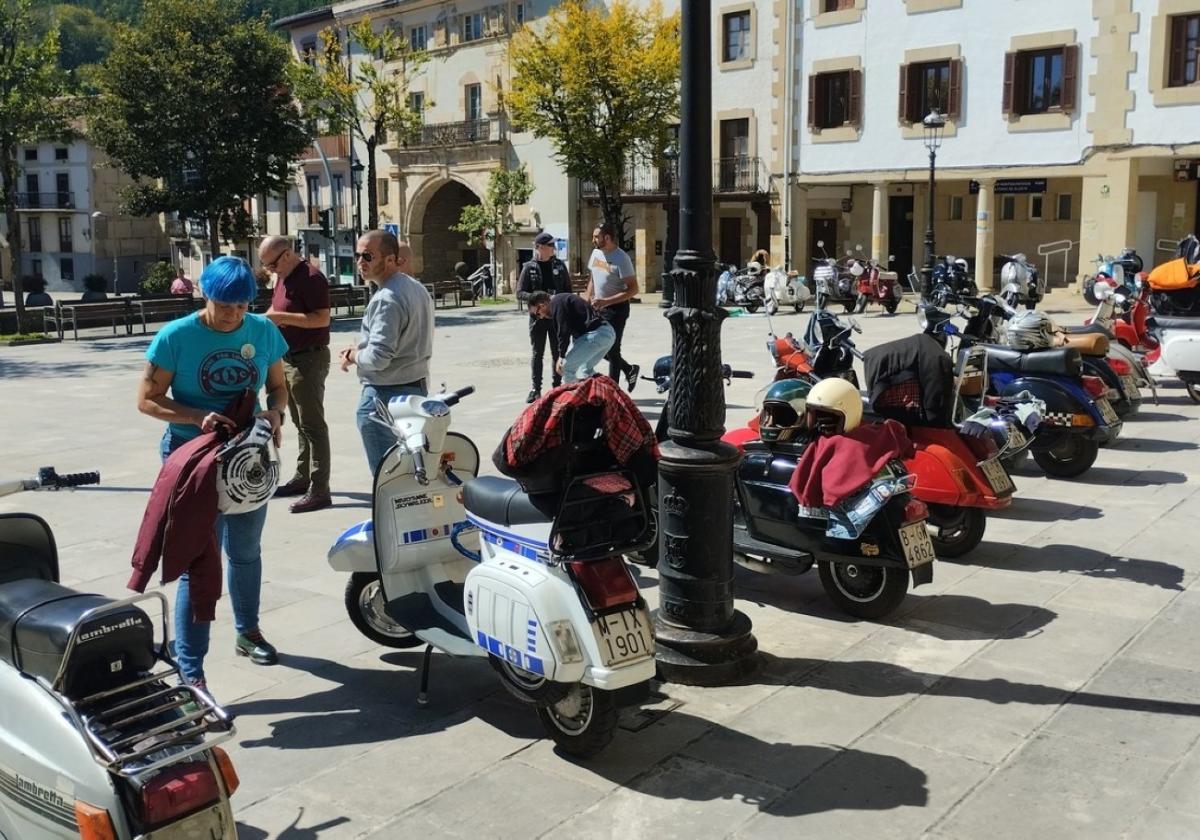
x: 583, y: 722
x: 1193, y: 391
x: 860, y: 306
x: 526, y: 687
x: 364, y: 604
x: 870, y: 592
x: 891, y: 307
x: 1071, y: 456
x: 752, y: 306
x: 849, y: 306
x: 799, y: 307
x: 955, y: 531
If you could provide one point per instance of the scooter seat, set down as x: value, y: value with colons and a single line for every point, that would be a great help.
x: 1176, y: 322
x: 1063, y: 361
x: 1087, y: 329
x: 501, y: 500
x: 1089, y: 344
x: 37, y: 618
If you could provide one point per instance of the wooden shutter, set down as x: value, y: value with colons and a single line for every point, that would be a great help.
x: 902, y: 102
x: 812, y: 102
x: 1010, y: 72
x: 1177, y: 53
x: 954, y: 95
x: 854, y: 115
x: 1070, y: 82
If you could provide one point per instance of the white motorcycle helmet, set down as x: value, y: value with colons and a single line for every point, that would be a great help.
x: 754, y: 269
x: 247, y: 470
x: 833, y: 407
x: 1015, y: 274
x: 1031, y: 330
x: 856, y: 269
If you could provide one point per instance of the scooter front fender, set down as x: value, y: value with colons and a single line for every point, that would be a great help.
x: 354, y: 549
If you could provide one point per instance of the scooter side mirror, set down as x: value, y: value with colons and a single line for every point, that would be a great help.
x: 854, y: 325
x: 820, y: 243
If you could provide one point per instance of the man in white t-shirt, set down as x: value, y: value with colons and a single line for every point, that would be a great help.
x: 612, y: 284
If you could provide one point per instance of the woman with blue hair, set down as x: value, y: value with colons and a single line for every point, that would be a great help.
x: 195, y: 367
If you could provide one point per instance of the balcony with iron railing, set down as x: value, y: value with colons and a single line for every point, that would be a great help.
x: 744, y: 175
x: 431, y: 135
x: 46, y: 201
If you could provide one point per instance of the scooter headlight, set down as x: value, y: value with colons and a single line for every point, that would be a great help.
x: 566, y: 645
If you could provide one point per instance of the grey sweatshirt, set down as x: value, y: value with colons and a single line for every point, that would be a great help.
x: 396, y: 339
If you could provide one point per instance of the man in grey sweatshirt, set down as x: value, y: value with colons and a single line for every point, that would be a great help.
x: 396, y: 340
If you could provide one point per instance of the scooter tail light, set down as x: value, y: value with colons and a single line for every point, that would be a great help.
x: 914, y: 511
x: 605, y: 583
x: 1082, y: 420
x: 1120, y: 367
x: 178, y: 790
x: 1095, y: 387
x: 94, y: 823
x: 228, y: 773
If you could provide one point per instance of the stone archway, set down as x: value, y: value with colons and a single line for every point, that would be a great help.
x: 440, y: 248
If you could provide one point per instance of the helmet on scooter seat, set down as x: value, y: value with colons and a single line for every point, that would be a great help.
x: 247, y: 470
x: 1031, y: 330
x: 833, y: 407
x: 783, y: 410
x: 753, y: 269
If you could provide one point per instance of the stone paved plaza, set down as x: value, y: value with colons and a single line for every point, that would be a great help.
x: 1047, y: 685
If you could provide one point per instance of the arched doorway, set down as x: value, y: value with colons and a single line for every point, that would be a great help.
x: 441, y: 247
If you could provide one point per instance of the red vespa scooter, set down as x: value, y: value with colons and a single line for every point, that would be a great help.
x: 878, y: 286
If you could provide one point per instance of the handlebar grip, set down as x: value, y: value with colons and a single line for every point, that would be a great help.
x: 741, y: 374
x: 50, y: 478
x: 459, y: 394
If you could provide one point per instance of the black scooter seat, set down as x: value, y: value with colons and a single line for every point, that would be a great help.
x: 501, y: 500
x: 1176, y: 322
x: 1062, y: 361
x: 1087, y: 329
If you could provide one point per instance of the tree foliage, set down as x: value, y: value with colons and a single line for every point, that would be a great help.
x: 32, y: 108
x: 85, y: 40
x: 197, y: 106
x: 602, y: 85
x: 506, y: 189
x: 370, y: 99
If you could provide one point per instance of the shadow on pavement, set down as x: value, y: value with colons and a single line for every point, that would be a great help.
x: 293, y: 831
x: 1159, y: 417
x: 1140, y: 444
x: 1028, y: 509
x: 1073, y: 558
x: 1119, y: 476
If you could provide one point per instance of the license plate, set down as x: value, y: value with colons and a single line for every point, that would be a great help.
x: 918, y: 548
x: 1130, y: 386
x: 209, y: 824
x: 623, y: 636
x: 1016, y: 439
x: 1106, y: 411
x: 997, y: 476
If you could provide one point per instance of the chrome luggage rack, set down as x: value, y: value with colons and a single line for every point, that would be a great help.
x: 140, y: 727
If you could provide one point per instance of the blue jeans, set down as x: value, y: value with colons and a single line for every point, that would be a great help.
x: 586, y: 352
x: 241, y: 537
x: 376, y: 439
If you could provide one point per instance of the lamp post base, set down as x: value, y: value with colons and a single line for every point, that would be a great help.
x: 695, y: 657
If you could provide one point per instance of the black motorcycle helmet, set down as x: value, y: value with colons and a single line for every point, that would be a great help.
x: 662, y: 373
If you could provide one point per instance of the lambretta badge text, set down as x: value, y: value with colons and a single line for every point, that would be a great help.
x: 105, y: 629
x: 410, y: 501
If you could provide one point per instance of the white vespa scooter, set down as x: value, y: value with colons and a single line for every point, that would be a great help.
x: 785, y: 288
x: 97, y: 738
x: 474, y: 567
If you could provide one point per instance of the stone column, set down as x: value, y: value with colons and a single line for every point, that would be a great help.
x: 879, y: 224
x: 1108, y: 212
x: 985, y: 234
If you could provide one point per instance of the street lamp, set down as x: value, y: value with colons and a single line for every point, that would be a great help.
x: 100, y: 217
x: 701, y: 638
x: 933, y: 124
x: 356, y: 171
x: 671, y: 155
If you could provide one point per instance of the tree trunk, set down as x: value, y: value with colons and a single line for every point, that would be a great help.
x: 214, y: 237
x: 613, y: 209
x: 372, y: 193
x: 8, y: 156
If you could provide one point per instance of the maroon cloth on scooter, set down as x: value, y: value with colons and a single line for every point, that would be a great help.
x: 832, y: 468
x: 178, y: 527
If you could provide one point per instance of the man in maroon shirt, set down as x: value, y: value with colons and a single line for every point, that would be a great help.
x: 300, y: 308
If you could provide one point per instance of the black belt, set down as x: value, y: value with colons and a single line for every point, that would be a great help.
x: 304, y: 350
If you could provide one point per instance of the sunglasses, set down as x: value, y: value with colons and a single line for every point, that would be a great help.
x: 270, y: 266
x: 365, y: 256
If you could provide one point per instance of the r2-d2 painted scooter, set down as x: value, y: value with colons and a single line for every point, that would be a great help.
x: 471, y: 567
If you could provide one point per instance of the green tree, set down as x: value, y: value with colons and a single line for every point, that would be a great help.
x: 506, y: 188
x: 85, y: 40
x: 32, y: 108
x: 196, y: 105
x: 369, y: 98
x: 602, y: 85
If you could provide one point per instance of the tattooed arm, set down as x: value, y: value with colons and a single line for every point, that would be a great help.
x: 152, y: 399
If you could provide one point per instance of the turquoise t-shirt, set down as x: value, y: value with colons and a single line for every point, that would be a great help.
x: 210, y: 367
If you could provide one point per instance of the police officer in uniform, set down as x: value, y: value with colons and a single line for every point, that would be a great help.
x: 544, y: 273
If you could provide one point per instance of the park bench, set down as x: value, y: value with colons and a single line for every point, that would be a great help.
x: 347, y: 297
x: 114, y: 312
x: 444, y: 290
x: 263, y: 302
x: 164, y: 308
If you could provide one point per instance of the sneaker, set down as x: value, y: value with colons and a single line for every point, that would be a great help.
x: 631, y: 378
x: 295, y: 487
x: 258, y: 649
x: 555, y: 382
x: 191, y: 706
x: 533, y: 396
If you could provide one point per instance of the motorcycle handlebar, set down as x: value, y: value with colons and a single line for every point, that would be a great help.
x: 74, y: 479
x: 459, y: 394
x: 741, y: 374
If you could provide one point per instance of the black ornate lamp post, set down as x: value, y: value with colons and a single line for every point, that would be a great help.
x: 702, y: 639
x: 671, y: 156
x: 933, y: 123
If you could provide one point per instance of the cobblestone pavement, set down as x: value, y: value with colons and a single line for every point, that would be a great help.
x: 1046, y: 685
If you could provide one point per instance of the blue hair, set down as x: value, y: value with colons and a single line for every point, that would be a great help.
x: 229, y: 280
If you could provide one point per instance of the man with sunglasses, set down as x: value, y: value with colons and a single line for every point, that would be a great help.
x: 396, y: 340
x: 300, y: 308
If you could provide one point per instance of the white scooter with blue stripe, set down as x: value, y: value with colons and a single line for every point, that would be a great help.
x: 466, y: 565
